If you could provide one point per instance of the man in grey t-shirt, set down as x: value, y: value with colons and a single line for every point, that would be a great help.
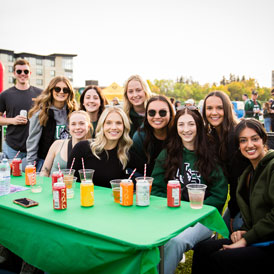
x: 12, y: 101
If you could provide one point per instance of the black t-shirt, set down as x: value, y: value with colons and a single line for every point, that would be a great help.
x: 272, y: 108
x: 12, y: 101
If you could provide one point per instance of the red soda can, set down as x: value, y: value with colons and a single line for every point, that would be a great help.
x: 55, y: 176
x: 17, y: 167
x: 59, y: 192
x: 173, y: 193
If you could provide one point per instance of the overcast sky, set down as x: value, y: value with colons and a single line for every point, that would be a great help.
x: 163, y: 39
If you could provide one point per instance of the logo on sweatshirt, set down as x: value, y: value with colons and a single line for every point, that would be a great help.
x: 189, y: 175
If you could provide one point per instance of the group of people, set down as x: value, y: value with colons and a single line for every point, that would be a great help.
x: 210, y: 147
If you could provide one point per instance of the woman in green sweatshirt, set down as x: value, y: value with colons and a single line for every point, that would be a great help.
x: 250, y: 249
x: 187, y: 157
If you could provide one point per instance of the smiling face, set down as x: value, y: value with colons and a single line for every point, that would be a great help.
x: 92, y: 101
x: 78, y: 126
x: 251, y: 145
x: 214, y: 111
x: 187, y: 130
x: 135, y: 93
x: 155, y: 114
x: 113, y: 126
x: 60, y: 97
x: 22, y: 78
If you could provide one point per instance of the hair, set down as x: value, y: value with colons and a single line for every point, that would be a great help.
x: 228, y: 124
x: 124, y: 143
x: 45, y: 100
x: 252, y: 124
x: 206, y: 160
x: 148, y: 129
x: 266, y: 106
x: 127, y: 104
x: 84, y: 113
x: 21, y: 62
x: 103, y: 100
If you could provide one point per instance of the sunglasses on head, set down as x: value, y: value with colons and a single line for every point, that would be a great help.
x: 188, y: 107
x: 162, y: 112
x: 58, y: 89
x: 19, y: 71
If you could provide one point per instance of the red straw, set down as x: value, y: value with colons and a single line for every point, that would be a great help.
x: 132, y: 174
x: 33, y: 173
x: 16, y: 155
x: 72, y: 165
x: 59, y: 168
x: 145, y: 171
x: 84, y: 168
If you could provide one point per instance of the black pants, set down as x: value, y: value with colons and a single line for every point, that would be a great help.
x: 208, y: 258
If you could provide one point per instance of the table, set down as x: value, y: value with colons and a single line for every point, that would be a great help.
x: 105, y: 238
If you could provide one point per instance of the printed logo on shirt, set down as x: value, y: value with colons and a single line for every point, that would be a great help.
x: 189, y: 175
x: 61, y: 132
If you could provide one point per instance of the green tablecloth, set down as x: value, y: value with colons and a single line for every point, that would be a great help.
x: 105, y: 238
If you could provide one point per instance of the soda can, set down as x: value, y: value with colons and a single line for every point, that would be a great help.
x: 55, y: 176
x: 23, y: 113
x: 17, y: 167
x: 87, y: 193
x: 142, y: 193
x: 59, y: 196
x: 28, y: 170
x: 173, y: 193
x: 126, y: 192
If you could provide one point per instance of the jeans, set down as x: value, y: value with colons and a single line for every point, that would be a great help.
x: 267, y: 124
x: 237, y: 221
x: 10, y: 152
x: 174, y: 248
x: 39, y: 164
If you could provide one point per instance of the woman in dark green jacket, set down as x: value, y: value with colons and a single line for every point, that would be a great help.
x: 251, y: 249
x: 189, y: 159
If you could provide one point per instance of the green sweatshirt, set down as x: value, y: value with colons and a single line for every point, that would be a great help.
x: 257, y: 203
x: 250, y: 107
x: 216, y: 192
x: 136, y: 121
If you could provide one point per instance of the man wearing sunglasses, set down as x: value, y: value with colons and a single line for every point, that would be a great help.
x: 15, y: 102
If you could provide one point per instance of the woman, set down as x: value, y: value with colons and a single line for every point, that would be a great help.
x: 267, y: 118
x: 149, y: 140
x: 136, y: 95
x: 48, y: 119
x: 188, y: 159
x: 79, y: 126
x: 108, y: 153
x: 251, y: 249
x: 93, y: 102
x: 220, y: 122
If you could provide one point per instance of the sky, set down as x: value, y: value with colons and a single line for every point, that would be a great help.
x: 157, y: 39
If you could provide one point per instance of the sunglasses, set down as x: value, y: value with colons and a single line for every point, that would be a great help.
x: 162, y: 112
x: 188, y: 107
x: 58, y: 89
x: 19, y: 71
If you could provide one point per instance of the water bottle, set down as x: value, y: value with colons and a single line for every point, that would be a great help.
x: 4, y: 177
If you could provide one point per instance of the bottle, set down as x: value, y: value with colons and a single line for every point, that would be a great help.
x: 4, y: 177
x: 126, y: 192
x: 87, y: 193
x: 142, y: 193
x: 173, y: 193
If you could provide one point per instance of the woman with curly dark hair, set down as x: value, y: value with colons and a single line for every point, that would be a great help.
x: 189, y: 159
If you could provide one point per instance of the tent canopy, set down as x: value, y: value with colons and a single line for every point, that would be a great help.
x: 114, y: 90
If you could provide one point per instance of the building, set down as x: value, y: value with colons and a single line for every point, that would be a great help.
x: 272, y: 78
x: 43, y: 67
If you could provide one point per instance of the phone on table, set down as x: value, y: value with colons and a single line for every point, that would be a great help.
x: 25, y: 202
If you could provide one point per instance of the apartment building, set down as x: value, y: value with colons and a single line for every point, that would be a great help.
x: 43, y: 67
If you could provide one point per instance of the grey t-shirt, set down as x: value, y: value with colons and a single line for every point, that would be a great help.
x: 12, y: 101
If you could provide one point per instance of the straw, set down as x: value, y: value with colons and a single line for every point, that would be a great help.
x: 59, y: 168
x: 16, y: 155
x: 145, y: 171
x: 71, y: 165
x: 84, y: 168
x: 132, y: 174
x: 33, y: 173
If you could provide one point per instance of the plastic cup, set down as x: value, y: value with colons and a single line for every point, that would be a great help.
x: 149, y: 179
x: 196, y: 193
x: 87, y: 175
x: 68, y: 177
x: 70, y: 182
x: 115, y: 185
x: 36, y: 182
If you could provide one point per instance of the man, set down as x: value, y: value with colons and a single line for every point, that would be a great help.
x: 16, y: 102
x: 189, y: 103
x: 253, y: 106
x: 271, y: 106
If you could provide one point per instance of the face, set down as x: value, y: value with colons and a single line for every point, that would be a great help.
x: 158, y: 114
x: 23, y: 77
x: 113, y: 126
x: 92, y: 101
x: 187, y: 129
x: 135, y: 93
x: 78, y: 126
x: 214, y: 111
x: 251, y: 145
x: 60, y: 97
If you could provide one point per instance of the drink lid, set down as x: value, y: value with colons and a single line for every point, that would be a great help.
x: 16, y: 159
x: 173, y: 182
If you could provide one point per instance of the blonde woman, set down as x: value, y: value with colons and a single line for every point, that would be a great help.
x: 136, y: 95
x: 108, y: 154
x: 79, y: 126
x: 48, y: 119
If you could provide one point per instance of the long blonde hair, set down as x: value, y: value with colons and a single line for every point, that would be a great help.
x: 45, y: 100
x: 127, y: 104
x: 124, y: 143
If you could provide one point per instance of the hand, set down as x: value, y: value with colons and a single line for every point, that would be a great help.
x: 240, y: 243
x: 237, y: 235
x: 19, y: 120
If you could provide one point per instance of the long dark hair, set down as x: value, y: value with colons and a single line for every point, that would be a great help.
x: 206, y: 161
x: 148, y: 129
x: 227, y: 126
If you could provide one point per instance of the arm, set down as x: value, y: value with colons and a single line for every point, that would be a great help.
x: 17, y: 120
